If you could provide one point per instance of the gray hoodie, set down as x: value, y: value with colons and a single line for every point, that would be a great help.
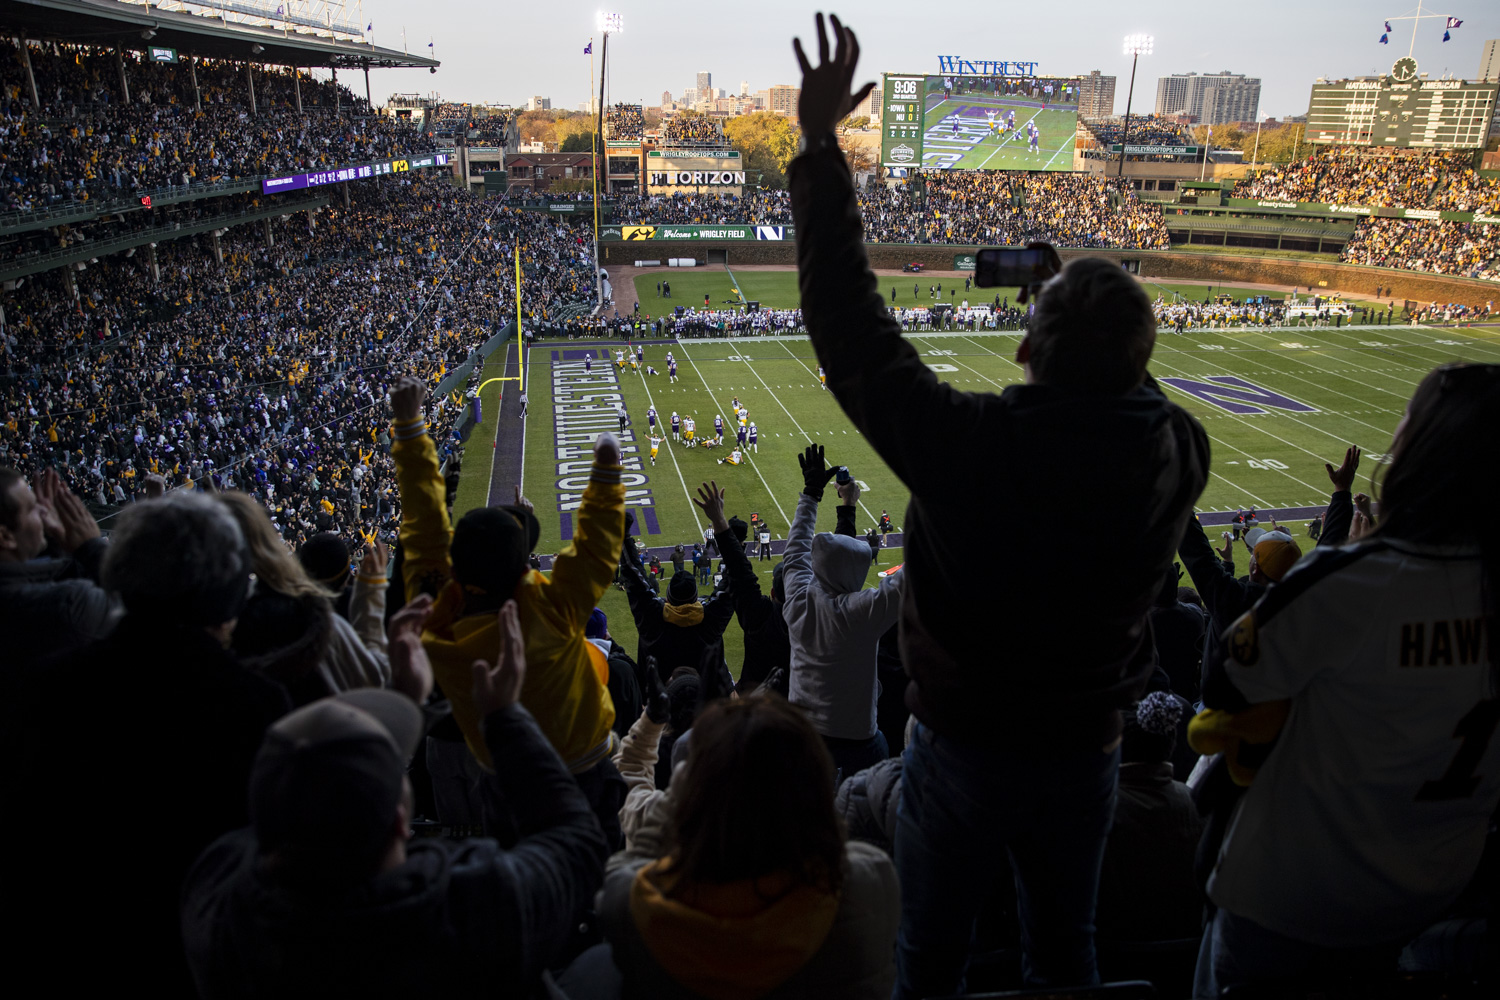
x: 834, y: 625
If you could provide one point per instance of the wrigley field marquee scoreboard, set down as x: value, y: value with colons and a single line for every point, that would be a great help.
x: 1402, y: 109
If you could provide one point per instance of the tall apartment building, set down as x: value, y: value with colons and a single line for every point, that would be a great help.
x: 1210, y: 98
x: 539, y: 104
x: 1489, y: 61
x: 705, y: 85
x: 782, y: 99
x: 744, y: 88
x: 666, y: 98
x: 1096, y: 95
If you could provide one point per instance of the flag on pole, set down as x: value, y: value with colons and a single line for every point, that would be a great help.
x: 429, y: 45
x: 1385, y: 39
x: 588, y: 49
x: 1446, y: 36
x: 1454, y: 22
x: 1388, y: 26
x: 370, y: 26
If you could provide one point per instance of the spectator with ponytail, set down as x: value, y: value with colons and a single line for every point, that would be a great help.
x: 1373, y: 687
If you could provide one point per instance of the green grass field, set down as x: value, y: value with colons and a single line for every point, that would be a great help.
x: 1318, y: 390
x: 958, y: 134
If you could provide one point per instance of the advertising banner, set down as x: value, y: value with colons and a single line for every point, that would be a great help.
x: 640, y: 234
x: 963, y: 262
x: 354, y: 172
x: 1134, y: 150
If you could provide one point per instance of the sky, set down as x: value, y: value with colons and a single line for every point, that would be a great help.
x: 505, y: 53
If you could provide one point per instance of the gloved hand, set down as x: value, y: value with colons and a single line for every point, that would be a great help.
x: 815, y: 472
x: 653, y: 695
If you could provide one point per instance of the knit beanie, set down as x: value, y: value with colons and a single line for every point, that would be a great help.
x: 683, y: 589
x: 490, y: 548
x: 740, y: 528
x: 325, y: 556
x: 597, y: 625
x: 1151, y: 729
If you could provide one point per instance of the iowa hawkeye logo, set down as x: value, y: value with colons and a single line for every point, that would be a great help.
x: 637, y: 232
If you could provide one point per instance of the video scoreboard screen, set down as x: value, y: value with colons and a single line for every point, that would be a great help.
x: 1400, y: 109
x: 978, y: 122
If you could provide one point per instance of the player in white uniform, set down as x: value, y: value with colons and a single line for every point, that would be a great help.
x: 733, y: 458
x: 822, y: 378
x: 1369, y: 813
x: 620, y: 360
x: 689, y: 425
x: 655, y: 444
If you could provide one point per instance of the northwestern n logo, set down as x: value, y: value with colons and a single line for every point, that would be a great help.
x: 1236, y: 395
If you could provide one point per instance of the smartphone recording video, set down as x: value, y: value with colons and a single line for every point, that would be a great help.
x: 1010, y: 267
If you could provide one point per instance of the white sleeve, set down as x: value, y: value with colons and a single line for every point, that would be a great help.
x: 1310, y: 624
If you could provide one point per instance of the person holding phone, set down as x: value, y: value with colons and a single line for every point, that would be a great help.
x: 1016, y: 751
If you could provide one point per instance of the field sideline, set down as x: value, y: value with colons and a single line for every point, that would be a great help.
x: 1315, y: 391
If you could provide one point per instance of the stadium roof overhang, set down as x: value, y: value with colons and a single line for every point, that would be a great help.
x: 128, y: 25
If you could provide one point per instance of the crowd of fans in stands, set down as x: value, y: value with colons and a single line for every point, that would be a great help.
x: 86, y: 141
x: 691, y: 130
x: 1471, y: 249
x: 450, y: 119
x: 758, y: 206
x: 266, y: 374
x: 1145, y: 130
x: 493, y: 128
x: 964, y: 207
x: 624, y: 121
x: 1380, y: 178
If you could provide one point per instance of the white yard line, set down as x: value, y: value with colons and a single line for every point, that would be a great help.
x: 748, y: 460
x: 646, y: 458
x: 794, y: 419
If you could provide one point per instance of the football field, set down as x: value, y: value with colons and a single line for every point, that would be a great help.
x: 1277, y: 404
x: 959, y: 134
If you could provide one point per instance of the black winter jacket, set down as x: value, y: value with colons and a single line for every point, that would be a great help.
x: 673, y: 645
x: 1006, y: 654
x: 459, y: 918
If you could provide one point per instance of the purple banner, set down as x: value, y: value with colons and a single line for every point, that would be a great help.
x: 276, y: 185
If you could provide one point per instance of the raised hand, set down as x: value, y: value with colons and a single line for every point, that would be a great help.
x: 711, y: 500
x: 1343, y: 477
x: 376, y: 558
x: 653, y: 695
x: 606, y: 450
x: 815, y: 472
x: 411, y: 671
x: 826, y: 98
x: 523, y: 503
x: 848, y: 492
x: 499, y: 686
x: 407, y: 396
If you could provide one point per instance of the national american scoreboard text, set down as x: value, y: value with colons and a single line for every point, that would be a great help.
x: 977, y: 121
x: 1401, y: 109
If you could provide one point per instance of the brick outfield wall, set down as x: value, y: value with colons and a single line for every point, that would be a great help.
x: 1351, y: 279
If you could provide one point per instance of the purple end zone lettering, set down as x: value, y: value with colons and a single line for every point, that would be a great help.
x: 649, y: 515
x: 1235, y: 395
x: 565, y: 526
x: 574, y: 355
x: 583, y: 407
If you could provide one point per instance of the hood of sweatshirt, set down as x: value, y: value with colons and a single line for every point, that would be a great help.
x: 840, y: 563
x: 735, y: 941
x: 683, y: 615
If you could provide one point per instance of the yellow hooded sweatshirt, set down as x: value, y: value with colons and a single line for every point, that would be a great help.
x: 730, y: 942
x: 563, y: 690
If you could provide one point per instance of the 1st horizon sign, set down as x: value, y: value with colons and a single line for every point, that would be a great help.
x: 695, y: 178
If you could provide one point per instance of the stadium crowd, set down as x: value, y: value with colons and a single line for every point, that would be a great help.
x: 994, y: 207
x: 1145, y: 130
x: 1471, y: 249
x: 1380, y: 178
x: 266, y: 375
x: 761, y: 207
x: 450, y: 119
x: 624, y: 121
x: 969, y: 776
x: 683, y: 129
x: 86, y: 141
x: 964, y: 207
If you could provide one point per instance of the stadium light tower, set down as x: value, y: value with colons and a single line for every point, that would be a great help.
x: 1135, y: 47
x: 607, y: 24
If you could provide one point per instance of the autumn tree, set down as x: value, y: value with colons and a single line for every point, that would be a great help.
x: 766, y: 142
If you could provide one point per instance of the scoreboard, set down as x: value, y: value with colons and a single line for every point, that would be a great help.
x: 901, y: 121
x: 1401, y: 109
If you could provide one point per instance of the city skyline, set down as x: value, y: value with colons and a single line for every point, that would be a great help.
x: 664, y: 48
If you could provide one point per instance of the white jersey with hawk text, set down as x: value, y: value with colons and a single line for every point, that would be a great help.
x: 1369, y: 815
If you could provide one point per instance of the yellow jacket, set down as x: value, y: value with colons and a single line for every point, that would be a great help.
x: 562, y: 690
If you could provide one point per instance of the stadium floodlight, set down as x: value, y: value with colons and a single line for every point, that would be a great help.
x: 1135, y: 46
x: 609, y: 24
